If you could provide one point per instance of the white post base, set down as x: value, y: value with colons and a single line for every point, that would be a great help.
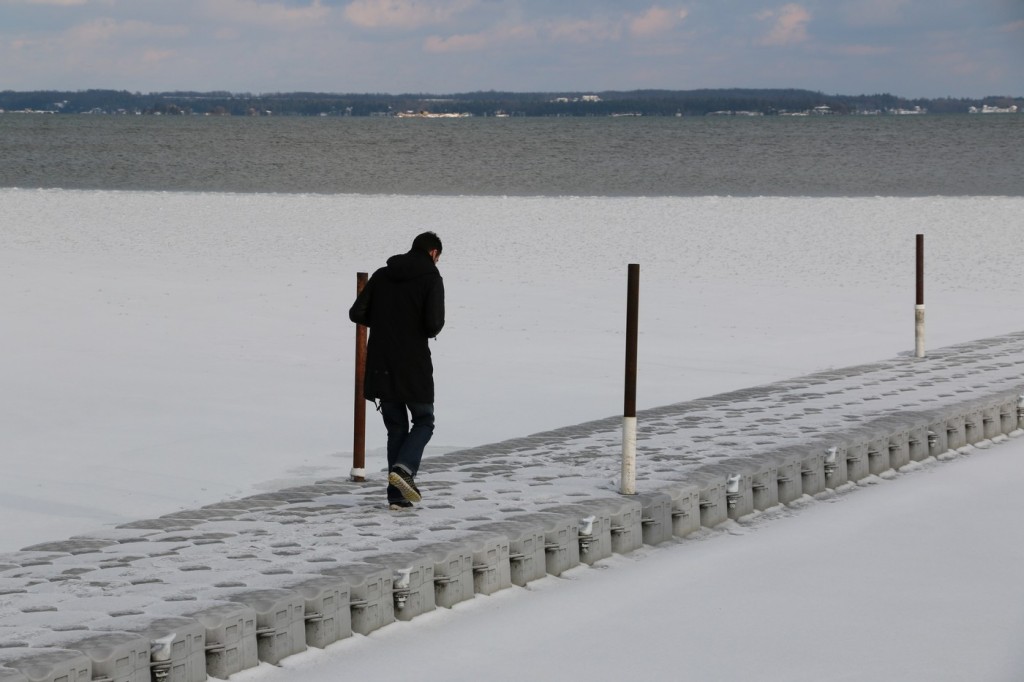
x: 919, y: 331
x: 628, y: 483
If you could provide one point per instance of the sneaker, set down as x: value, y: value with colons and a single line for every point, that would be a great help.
x: 399, y: 505
x: 405, y: 484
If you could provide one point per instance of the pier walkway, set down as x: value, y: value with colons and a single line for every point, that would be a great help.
x: 215, y: 590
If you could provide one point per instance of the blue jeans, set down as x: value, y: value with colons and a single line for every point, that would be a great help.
x: 405, y: 445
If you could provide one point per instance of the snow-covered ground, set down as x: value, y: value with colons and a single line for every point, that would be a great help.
x: 163, y: 351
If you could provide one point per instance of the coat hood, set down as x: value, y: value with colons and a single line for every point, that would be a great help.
x: 409, y: 265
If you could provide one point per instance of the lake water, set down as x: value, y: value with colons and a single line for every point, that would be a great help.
x: 717, y: 156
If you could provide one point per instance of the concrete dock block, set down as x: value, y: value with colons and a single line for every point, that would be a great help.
x: 899, y: 449
x: 996, y: 411
x: 737, y: 477
x: 1008, y: 417
x: 992, y: 423
x: 178, y: 646
x: 526, y: 542
x: 656, y: 517
x: 231, y: 639
x: 956, y: 432
x: 328, y: 612
x: 812, y: 470
x: 12, y: 675
x: 914, y: 426
x: 561, y: 539
x: 114, y: 656
x: 453, y: 571
x: 492, y: 567
x: 412, y: 582
x: 626, y: 514
x: 48, y: 665
x: 122, y: 657
x: 685, y: 507
x: 857, y: 460
x: 938, y: 438
x: 764, y: 485
x: 917, y: 442
x: 371, y: 590
x: 280, y: 621
x: 790, y: 476
x: 712, y: 501
x: 878, y: 455
x: 595, y: 531
x: 974, y: 426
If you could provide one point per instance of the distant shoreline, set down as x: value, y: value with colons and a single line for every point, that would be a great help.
x: 664, y: 103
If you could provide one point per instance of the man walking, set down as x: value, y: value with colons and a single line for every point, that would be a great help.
x: 403, y: 306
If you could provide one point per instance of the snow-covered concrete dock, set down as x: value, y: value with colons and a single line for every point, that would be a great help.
x: 216, y: 590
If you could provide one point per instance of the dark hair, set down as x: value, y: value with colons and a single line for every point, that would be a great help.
x: 427, y: 242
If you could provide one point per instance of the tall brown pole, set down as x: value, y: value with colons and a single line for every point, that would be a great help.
x: 919, y: 305
x: 359, y: 418
x: 920, y: 269
x: 632, y: 328
x: 628, y: 482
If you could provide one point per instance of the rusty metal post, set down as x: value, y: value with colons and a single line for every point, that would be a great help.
x: 628, y: 483
x: 359, y: 417
x: 919, y: 306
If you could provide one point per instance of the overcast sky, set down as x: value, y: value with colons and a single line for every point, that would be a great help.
x: 912, y: 48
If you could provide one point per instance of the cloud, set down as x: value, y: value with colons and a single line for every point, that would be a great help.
x: 102, y: 32
x: 104, y: 48
x: 475, y: 42
x: 656, y: 20
x: 862, y: 13
x: 958, y: 62
x: 404, y: 14
x: 158, y: 56
x: 471, y: 42
x: 272, y: 14
x: 582, y: 30
x: 1013, y: 27
x: 58, y: 3
x: 863, y: 50
x: 578, y: 31
x: 789, y: 25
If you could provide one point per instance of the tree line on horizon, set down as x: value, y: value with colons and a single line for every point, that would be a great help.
x: 489, y: 103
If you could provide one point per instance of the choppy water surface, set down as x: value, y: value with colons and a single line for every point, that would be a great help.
x: 774, y: 156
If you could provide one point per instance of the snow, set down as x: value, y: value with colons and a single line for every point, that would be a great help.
x: 168, y: 350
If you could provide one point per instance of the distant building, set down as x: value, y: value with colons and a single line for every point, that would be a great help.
x: 986, y: 109
x: 731, y: 113
x: 584, y: 98
x: 908, y: 112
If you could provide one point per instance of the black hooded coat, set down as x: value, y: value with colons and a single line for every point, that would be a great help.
x: 403, y: 306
